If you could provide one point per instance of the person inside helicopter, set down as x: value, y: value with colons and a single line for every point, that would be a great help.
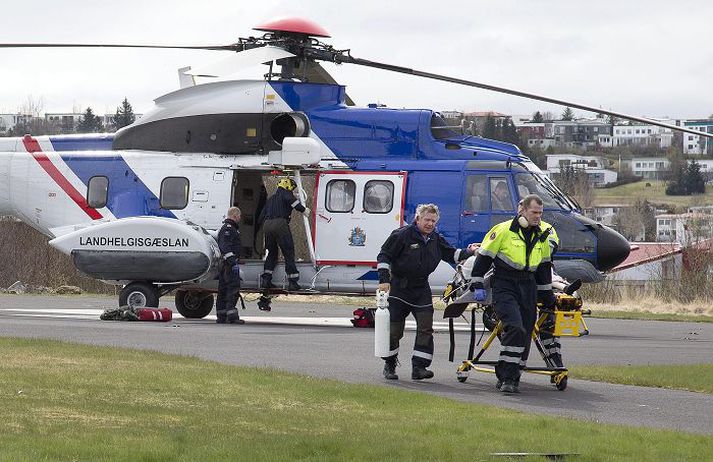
x: 501, y: 197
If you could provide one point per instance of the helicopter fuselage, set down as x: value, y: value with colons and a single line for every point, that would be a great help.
x: 205, y: 148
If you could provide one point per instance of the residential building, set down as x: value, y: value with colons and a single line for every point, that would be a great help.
x: 650, y: 168
x: 583, y: 133
x: 593, y: 166
x: 10, y: 121
x: 642, y: 135
x: 697, y: 145
x: 685, y: 228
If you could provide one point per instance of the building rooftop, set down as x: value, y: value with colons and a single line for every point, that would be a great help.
x: 645, y: 252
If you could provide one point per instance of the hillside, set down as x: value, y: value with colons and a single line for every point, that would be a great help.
x: 652, y: 191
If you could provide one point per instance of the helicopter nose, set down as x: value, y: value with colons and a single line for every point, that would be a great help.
x: 612, y: 248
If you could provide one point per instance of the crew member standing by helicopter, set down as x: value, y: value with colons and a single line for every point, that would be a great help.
x: 275, y: 219
x: 229, y: 277
x: 407, y: 258
x: 519, y: 249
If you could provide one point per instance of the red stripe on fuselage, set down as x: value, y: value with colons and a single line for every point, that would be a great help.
x: 33, y: 147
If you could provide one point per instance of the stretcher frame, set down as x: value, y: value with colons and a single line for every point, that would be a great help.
x: 568, y: 323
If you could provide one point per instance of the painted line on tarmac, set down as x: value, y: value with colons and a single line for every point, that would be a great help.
x: 93, y: 314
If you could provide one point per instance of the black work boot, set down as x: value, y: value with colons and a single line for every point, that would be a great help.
x: 266, y: 281
x: 293, y: 286
x: 220, y: 317
x: 420, y: 373
x: 233, y: 318
x: 508, y: 386
x: 390, y: 370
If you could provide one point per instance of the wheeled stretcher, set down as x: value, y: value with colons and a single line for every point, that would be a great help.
x: 568, y: 322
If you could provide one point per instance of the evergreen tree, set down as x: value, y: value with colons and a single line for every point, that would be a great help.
x: 90, y: 123
x: 124, y: 115
x: 490, y: 128
x: 677, y: 181
x: 568, y: 114
x: 537, y: 117
x: 695, y: 184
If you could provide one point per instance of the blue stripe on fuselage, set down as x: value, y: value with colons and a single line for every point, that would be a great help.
x: 128, y: 196
x: 74, y: 143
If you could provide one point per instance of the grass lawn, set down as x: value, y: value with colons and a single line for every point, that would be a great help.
x: 690, y: 377
x: 656, y: 193
x: 650, y: 316
x: 62, y: 401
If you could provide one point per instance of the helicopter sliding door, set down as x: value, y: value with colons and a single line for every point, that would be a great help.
x: 354, y: 214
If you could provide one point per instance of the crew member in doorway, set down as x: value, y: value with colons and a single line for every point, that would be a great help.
x: 519, y: 250
x: 407, y: 258
x: 275, y: 219
x: 229, y: 277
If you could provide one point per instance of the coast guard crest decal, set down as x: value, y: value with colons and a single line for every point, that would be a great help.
x: 357, y: 238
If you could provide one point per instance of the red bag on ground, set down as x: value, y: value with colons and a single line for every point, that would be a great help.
x: 154, y: 314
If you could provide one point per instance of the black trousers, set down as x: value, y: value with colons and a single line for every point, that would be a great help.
x: 398, y: 311
x: 550, y: 343
x: 277, y: 234
x: 515, y: 302
x: 228, y: 291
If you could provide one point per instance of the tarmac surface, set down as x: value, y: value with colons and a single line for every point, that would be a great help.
x: 318, y: 340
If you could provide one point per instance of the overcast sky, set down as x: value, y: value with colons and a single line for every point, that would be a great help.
x: 650, y: 58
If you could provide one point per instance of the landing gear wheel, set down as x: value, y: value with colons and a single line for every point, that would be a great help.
x: 194, y: 304
x: 139, y: 295
x: 490, y: 319
x: 562, y: 384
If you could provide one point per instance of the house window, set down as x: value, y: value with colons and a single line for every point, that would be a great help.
x: 97, y: 191
x: 340, y: 196
x: 378, y: 196
x: 174, y: 193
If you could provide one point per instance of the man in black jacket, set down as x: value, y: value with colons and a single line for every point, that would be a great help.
x: 275, y: 219
x: 407, y: 258
x: 229, y: 277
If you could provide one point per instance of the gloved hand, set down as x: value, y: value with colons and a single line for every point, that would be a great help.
x: 548, y: 300
x: 479, y: 295
x: 307, y: 211
x: 235, y: 269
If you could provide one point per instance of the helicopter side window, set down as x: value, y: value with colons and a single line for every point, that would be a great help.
x: 340, y: 196
x: 440, y: 129
x: 477, y: 195
x: 378, y: 196
x: 527, y: 184
x: 174, y: 193
x: 97, y: 191
x: 500, y: 196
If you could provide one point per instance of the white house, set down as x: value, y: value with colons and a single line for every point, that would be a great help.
x: 642, y: 135
x: 593, y: 166
x: 684, y: 228
x: 693, y: 144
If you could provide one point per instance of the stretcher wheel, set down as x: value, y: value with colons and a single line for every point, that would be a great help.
x: 462, y: 379
x: 562, y: 384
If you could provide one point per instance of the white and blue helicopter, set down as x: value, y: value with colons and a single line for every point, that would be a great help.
x: 139, y: 208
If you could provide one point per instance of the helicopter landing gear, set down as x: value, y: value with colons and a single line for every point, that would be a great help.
x: 139, y: 295
x: 194, y: 304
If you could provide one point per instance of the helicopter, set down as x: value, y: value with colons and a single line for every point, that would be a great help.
x: 140, y: 208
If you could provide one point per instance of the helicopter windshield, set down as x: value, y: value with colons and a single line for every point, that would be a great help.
x: 538, y: 183
x: 440, y: 129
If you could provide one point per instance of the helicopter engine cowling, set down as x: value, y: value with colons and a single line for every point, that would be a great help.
x: 153, y: 249
x: 289, y: 124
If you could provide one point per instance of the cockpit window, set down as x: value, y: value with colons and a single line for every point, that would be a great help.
x: 440, y: 129
x: 533, y: 183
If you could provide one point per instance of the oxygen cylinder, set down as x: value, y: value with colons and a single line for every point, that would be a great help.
x: 382, y: 322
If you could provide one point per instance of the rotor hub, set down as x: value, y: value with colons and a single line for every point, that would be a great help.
x: 293, y: 26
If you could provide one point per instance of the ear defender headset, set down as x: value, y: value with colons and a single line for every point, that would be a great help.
x: 522, y: 221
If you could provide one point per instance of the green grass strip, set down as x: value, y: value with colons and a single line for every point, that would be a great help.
x: 689, y: 377
x: 650, y: 316
x: 62, y: 401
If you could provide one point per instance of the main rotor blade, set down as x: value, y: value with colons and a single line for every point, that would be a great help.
x: 318, y: 74
x: 238, y: 62
x: 485, y: 86
x: 118, y: 45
